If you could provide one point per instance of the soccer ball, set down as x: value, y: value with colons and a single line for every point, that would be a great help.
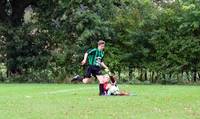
x: 113, y: 90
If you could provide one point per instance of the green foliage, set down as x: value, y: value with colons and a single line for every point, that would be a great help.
x: 158, y: 38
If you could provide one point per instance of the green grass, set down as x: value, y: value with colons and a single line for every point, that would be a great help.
x: 60, y: 101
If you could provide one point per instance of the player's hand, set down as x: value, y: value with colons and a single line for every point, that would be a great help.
x: 107, y: 71
x: 83, y: 62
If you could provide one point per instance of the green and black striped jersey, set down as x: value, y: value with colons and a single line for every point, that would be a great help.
x: 95, y: 57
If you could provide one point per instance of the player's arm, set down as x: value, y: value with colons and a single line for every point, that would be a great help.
x: 110, y: 75
x: 108, y: 71
x: 86, y: 55
x: 103, y: 65
x: 84, y: 59
x: 106, y: 68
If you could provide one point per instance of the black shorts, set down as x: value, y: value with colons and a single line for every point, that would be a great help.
x: 92, y: 71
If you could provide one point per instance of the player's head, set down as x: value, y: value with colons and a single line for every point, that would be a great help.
x: 101, y: 45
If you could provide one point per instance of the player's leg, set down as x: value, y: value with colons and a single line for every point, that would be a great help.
x: 87, y: 77
x: 81, y: 79
x: 103, y: 81
x: 100, y: 78
x: 96, y: 72
x: 101, y: 85
x: 123, y: 93
x: 77, y: 78
x: 107, y: 86
x: 87, y: 80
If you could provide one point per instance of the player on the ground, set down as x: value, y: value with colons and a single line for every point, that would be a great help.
x: 111, y: 88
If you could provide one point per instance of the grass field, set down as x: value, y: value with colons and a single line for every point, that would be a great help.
x: 61, y: 101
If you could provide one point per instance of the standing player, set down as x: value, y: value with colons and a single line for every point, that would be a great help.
x: 94, y: 58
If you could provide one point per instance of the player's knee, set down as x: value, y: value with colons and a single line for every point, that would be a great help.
x: 85, y: 81
x: 103, y: 79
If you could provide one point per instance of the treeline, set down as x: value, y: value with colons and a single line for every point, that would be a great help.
x: 147, y: 41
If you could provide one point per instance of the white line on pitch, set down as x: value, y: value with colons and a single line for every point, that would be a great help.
x: 68, y: 90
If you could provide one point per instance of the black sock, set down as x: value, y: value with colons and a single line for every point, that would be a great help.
x: 80, y: 79
x: 101, y: 89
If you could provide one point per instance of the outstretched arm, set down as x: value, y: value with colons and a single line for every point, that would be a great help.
x: 86, y: 55
x: 110, y: 75
x: 104, y: 66
x: 85, y: 59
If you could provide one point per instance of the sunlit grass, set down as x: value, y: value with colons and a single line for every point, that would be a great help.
x: 60, y: 101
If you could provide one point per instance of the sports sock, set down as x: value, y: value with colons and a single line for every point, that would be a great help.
x: 104, y: 87
x: 101, y: 89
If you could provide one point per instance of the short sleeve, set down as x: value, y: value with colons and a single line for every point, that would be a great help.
x: 91, y: 51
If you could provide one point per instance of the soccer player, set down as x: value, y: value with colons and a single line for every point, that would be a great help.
x: 111, y: 88
x: 94, y: 58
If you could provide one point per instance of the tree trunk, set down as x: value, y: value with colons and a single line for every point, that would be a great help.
x: 188, y: 76
x: 163, y: 76
x: 130, y: 73
x: 145, y: 76
x: 177, y: 77
x: 141, y: 74
x: 170, y: 76
x: 119, y: 74
x: 195, y: 75
x: 152, y: 77
x: 3, y: 15
x: 18, y: 7
x: 182, y: 75
x: 157, y: 76
x: 14, y: 20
